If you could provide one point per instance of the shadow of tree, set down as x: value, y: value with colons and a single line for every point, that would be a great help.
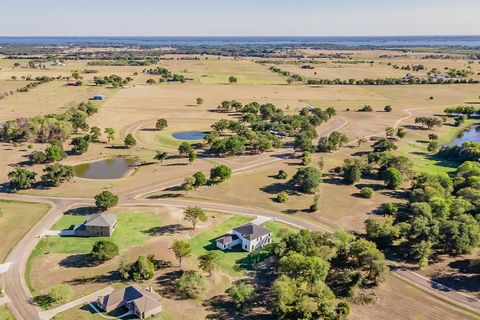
x: 78, y: 261
x: 112, y: 276
x: 165, y: 196
x: 168, y: 284
x: 169, y: 229
x: 82, y: 211
x: 457, y: 282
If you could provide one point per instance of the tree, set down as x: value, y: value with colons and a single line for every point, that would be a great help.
x: 95, y: 134
x: 200, y: 179
x: 243, y: 295
x: 432, y: 136
x: 105, y: 200
x: 194, y: 215
x: 184, y: 148
x: 192, y: 156
x: 432, y: 146
x: 390, y: 132
x: 282, y: 197
x: 310, y: 269
x: 181, y: 249
x: 232, y: 79
x: 80, y: 144
x: 220, y: 173
x: 401, y: 133
x: 208, y: 262
x: 104, y: 250
x: 55, y: 174
x: 199, y: 101
x: 306, y: 158
x: 110, y: 132
x: 383, y: 145
x: 161, y: 124
x: 388, y: 108
x: 366, y: 192
x: 361, y: 141
x: 129, y: 141
x: 352, y: 173
x: 189, y: 184
x: 192, y: 284
x: 142, y: 269
x: 307, y: 179
x: 21, y: 179
x: 55, y: 152
x: 393, y: 178
x: 150, y: 81
x: 61, y: 293
x: 160, y: 156
x: 333, y: 142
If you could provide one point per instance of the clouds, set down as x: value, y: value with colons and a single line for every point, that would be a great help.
x: 245, y: 17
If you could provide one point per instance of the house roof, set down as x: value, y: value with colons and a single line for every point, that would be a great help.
x: 143, y: 299
x: 251, y: 231
x: 101, y: 220
x: 227, y: 239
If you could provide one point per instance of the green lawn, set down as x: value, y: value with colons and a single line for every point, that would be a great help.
x: 85, y: 312
x: 132, y: 230
x: 417, y: 150
x: 231, y: 260
x: 5, y: 314
x: 165, y: 139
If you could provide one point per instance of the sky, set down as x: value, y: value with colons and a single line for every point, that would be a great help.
x: 239, y: 17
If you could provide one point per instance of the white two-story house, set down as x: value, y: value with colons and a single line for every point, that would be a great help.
x: 250, y: 236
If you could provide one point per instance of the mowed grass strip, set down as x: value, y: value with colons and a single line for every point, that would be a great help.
x: 16, y: 218
x: 133, y: 229
x: 205, y: 241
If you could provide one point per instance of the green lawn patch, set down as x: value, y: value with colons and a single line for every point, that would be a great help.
x: 5, y: 314
x: 234, y: 261
x: 133, y: 229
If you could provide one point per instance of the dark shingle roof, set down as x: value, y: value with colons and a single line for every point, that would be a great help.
x: 143, y: 299
x: 101, y: 220
x: 251, y: 231
x: 227, y: 239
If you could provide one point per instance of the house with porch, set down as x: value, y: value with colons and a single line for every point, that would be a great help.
x: 250, y: 236
x: 143, y: 303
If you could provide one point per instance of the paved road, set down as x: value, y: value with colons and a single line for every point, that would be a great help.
x: 21, y: 298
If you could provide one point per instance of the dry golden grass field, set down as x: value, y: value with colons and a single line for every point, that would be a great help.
x: 135, y: 108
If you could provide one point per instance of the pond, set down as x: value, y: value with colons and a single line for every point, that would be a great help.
x: 469, y: 135
x: 112, y: 168
x: 189, y: 135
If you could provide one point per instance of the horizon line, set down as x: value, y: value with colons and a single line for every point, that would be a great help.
x: 242, y: 36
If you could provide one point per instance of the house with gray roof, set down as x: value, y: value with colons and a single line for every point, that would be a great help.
x: 98, y: 225
x: 141, y: 302
x: 250, y: 236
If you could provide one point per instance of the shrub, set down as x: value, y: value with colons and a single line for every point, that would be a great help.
x: 282, y: 197
x: 282, y: 174
x: 390, y: 208
x: 192, y: 284
x: 388, y: 108
x: 367, y: 192
x: 243, y: 295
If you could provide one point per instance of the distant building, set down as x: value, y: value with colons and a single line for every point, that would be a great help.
x: 98, y: 97
x: 141, y: 302
x: 98, y: 225
x: 250, y: 236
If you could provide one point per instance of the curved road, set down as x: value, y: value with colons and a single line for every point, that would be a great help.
x: 21, y: 298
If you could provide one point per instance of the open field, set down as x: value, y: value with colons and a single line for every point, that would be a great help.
x: 16, y: 219
x: 151, y: 230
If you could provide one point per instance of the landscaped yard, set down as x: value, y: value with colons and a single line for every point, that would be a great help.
x: 229, y: 259
x: 133, y: 229
x: 85, y: 312
x: 16, y: 218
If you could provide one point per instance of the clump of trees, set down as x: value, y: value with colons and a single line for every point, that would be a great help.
x: 192, y: 284
x: 307, y: 179
x: 220, y: 173
x: 440, y: 217
x: 429, y: 122
x: 321, y: 269
x: 332, y: 142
